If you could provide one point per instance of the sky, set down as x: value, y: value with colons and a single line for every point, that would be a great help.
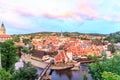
x: 84, y: 16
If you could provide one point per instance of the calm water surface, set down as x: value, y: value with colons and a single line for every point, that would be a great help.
x: 69, y: 75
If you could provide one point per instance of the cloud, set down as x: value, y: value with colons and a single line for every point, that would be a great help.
x: 14, y: 18
x: 83, y: 11
x: 78, y: 10
x: 45, y: 6
x: 55, y: 9
x: 9, y: 15
x: 59, y: 16
x: 87, y: 9
x: 112, y: 19
x: 25, y: 14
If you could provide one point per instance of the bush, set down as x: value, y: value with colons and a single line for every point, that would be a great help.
x: 89, y: 57
x: 110, y: 76
x: 5, y: 75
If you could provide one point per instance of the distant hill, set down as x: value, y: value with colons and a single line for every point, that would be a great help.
x: 114, y: 37
x: 83, y: 36
x: 64, y: 33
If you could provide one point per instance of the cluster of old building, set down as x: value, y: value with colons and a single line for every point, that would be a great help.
x: 67, y: 48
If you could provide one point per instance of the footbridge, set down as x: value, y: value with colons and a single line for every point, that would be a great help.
x: 45, y: 70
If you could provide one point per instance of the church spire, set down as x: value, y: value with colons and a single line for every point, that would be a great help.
x: 2, y: 29
x: 61, y: 34
x: 2, y: 25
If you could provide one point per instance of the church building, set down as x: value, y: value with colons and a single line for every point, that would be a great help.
x: 3, y: 35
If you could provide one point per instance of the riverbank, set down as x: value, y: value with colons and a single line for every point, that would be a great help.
x: 41, y: 64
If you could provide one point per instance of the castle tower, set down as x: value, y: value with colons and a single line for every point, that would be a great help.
x: 3, y: 35
x: 2, y: 29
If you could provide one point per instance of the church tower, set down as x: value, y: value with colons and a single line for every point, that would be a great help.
x: 2, y: 29
x: 3, y: 35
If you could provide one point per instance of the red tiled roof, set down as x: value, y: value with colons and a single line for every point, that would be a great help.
x: 5, y: 36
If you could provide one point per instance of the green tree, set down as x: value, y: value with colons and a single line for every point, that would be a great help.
x: 5, y: 75
x: 114, y: 38
x: 110, y: 76
x: 19, y: 48
x: 27, y: 51
x: 28, y: 72
x: 111, y: 48
x: 109, y: 65
x: 26, y: 41
x: 9, y: 54
x: 95, y: 69
x: 66, y: 34
x: 16, y: 38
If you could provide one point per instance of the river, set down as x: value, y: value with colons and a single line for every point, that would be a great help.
x: 69, y: 75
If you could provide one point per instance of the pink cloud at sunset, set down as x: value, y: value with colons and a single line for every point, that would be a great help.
x: 59, y: 10
x: 87, y: 10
